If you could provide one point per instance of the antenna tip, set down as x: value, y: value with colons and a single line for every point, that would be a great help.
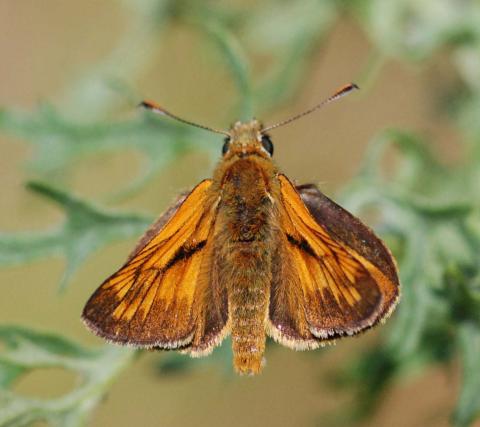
x: 150, y: 105
x: 344, y: 90
x: 347, y: 88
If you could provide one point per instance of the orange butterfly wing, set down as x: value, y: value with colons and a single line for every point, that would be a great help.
x: 161, y: 296
x: 332, y: 275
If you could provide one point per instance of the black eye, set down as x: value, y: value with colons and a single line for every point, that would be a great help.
x: 267, y: 144
x: 226, y: 145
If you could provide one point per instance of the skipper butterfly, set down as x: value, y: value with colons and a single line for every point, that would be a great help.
x: 250, y: 254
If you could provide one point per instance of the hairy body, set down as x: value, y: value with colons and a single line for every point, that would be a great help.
x: 245, y: 234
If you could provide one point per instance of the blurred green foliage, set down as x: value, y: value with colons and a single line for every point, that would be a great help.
x: 428, y: 212
x: 86, y: 229
x: 430, y: 216
x: 26, y: 350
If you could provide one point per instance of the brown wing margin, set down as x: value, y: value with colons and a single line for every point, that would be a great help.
x: 157, y: 299
x: 332, y: 277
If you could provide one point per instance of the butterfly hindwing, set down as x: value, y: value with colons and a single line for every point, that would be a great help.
x: 337, y: 278
x: 157, y: 299
x: 212, y: 323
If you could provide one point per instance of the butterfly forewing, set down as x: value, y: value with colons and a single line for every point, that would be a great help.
x: 349, y: 230
x: 327, y: 285
x: 157, y: 298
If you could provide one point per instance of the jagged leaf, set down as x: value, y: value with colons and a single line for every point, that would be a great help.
x: 25, y: 350
x: 86, y: 228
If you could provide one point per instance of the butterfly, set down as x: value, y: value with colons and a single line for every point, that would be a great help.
x: 247, y: 254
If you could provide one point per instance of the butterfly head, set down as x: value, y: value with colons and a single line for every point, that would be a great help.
x: 246, y: 139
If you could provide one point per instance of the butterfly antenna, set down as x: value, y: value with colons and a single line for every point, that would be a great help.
x: 344, y: 90
x: 152, y: 106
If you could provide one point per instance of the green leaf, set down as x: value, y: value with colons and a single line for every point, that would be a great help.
x: 414, y: 30
x: 288, y: 45
x: 86, y: 229
x: 234, y: 56
x: 26, y: 350
x: 468, y: 405
x: 58, y: 141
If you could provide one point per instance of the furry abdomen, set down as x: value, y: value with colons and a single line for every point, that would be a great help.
x: 244, y: 239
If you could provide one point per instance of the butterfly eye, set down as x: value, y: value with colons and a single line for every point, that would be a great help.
x: 267, y: 144
x: 226, y: 145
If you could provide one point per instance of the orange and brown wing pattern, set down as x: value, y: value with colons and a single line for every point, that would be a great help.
x: 156, y: 298
x: 336, y: 278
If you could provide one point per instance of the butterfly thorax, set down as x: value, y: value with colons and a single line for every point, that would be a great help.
x: 244, y: 232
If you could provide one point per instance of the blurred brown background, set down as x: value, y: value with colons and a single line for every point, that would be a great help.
x: 47, y: 45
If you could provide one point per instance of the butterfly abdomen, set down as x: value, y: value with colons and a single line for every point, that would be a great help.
x: 244, y: 242
x: 248, y: 297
